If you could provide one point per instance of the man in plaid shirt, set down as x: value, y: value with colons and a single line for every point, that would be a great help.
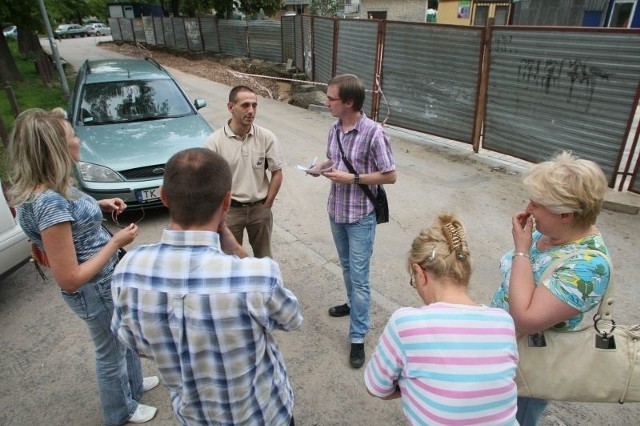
x: 202, y: 310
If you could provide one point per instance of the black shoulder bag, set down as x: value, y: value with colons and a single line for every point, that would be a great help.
x: 379, y: 200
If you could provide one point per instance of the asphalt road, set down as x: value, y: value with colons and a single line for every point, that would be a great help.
x: 46, y: 360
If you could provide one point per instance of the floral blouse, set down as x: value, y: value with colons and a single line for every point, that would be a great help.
x: 580, y: 281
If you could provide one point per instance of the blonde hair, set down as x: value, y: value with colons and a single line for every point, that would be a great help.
x: 442, y: 250
x: 39, y: 156
x: 567, y: 184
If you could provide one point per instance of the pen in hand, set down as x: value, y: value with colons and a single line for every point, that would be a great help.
x: 313, y: 163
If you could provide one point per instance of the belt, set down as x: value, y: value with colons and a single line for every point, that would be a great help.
x: 235, y: 203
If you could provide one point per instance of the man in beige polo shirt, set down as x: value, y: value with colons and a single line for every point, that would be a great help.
x: 251, y: 151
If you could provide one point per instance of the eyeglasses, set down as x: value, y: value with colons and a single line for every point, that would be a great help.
x: 114, y: 218
x: 331, y: 98
x: 411, y: 283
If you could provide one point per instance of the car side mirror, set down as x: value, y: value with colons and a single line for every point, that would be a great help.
x: 199, y: 103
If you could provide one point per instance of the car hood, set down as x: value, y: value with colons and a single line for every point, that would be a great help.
x: 124, y: 146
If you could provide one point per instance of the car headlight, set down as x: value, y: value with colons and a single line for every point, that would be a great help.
x: 94, y: 173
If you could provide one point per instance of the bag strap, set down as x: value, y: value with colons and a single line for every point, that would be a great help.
x: 365, y: 188
x: 605, y: 309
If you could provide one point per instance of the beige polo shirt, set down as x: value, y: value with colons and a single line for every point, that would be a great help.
x: 248, y: 159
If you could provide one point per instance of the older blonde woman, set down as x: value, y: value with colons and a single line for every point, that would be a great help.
x: 452, y: 361
x: 566, y: 195
x: 67, y: 225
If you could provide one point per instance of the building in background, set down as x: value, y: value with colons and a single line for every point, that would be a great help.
x: 394, y: 10
x: 469, y: 12
x: 296, y: 7
x: 134, y: 10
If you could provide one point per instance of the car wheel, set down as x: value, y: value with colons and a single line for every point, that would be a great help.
x: 98, y: 34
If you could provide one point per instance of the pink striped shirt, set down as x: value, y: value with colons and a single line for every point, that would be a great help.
x: 455, y: 364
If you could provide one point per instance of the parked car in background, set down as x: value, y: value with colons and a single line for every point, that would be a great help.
x: 69, y: 30
x: 11, y: 32
x: 97, y: 29
x: 131, y: 117
x: 15, y: 248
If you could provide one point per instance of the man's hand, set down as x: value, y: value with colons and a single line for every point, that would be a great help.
x: 338, y: 176
x: 228, y: 242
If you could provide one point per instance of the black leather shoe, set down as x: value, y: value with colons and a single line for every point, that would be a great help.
x: 357, y: 355
x: 340, y: 311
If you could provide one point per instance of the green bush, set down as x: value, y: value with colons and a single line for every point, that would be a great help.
x: 30, y: 93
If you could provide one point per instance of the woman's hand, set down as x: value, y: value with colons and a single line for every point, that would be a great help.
x: 126, y: 235
x: 522, y: 228
x: 112, y: 205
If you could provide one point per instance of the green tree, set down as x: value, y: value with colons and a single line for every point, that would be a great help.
x: 328, y: 8
x: 26, y: 16
x: 269, y: 7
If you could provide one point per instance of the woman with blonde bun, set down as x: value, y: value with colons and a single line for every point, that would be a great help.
x: 452, y: 361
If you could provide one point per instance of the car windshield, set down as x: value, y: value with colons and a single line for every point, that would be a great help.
x: 127, y: 101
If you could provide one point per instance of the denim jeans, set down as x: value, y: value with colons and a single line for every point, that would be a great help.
x: 118, y: 369
x: 530, y: 410
x: 354, y: 242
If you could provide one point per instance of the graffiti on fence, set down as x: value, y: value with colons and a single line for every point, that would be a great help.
x: 503, y: 44
x: 547, y: 74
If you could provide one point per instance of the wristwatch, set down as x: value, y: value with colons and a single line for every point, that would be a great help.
x: 356, y: 179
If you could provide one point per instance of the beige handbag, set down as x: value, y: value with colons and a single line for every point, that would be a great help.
x: 596, y: 362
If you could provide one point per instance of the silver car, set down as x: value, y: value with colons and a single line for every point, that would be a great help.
x: 15, y: 248
x: 131, y: 117
x: 97, y: 29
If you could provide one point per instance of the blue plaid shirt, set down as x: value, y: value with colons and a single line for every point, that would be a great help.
x: 206, y: 318
x: 368, y: 149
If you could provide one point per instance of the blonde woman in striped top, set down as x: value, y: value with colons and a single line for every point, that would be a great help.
x: 452, y: 361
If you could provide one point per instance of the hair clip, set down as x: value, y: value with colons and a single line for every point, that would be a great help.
x: 432, y: 256
x: 455, y: 239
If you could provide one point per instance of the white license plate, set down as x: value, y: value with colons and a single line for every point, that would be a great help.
x: 148, y: 195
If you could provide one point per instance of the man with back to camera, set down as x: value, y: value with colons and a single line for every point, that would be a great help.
x: 250, y: 150
x: 202, y: 310
x: 352, y: 215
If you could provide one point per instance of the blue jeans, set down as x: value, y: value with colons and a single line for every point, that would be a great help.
x: 354, y: 242
x: 118, y: 369
x: 530, y: 410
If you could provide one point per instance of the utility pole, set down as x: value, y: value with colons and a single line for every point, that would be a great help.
x: 54, y: 50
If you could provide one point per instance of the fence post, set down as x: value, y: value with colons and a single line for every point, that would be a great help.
x: 13, y: 102
x: 481, y: 102
x: 313, y: 48
x: 634, y: 144
x: 377, y: 71
x: 334, y: 53
x: 4, y: 135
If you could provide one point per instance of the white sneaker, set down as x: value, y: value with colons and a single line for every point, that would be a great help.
x: 143, y: 414
x: 149, y: 383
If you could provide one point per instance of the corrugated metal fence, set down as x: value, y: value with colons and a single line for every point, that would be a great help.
x: 534, y: 91
x: 357, y: 53
x: 554, y: 90
x: 430, y: 77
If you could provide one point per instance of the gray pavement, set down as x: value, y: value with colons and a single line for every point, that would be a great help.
x: 45, y: 354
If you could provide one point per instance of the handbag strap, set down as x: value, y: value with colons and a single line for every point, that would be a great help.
x: 605, y: 309
x: 365, y: 188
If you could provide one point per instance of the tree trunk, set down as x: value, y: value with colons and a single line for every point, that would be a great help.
x: 29, y: 43
x: 8, y: 69
x: 175, y: 8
